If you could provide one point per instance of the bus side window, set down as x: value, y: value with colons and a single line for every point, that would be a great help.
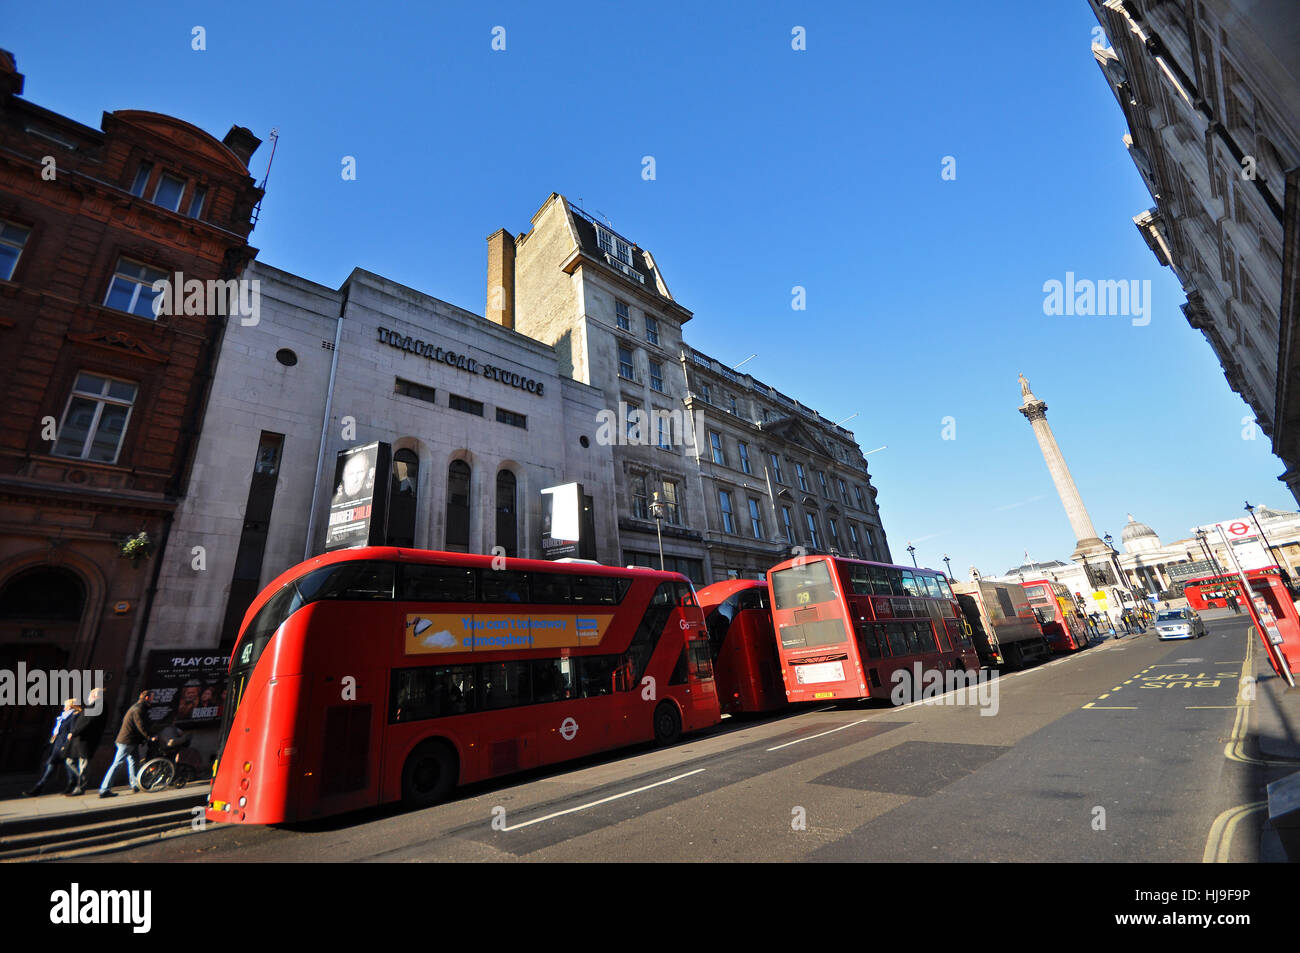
x: 679, y: 670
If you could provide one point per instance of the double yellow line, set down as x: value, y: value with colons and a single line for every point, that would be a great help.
x: 1218, y: 846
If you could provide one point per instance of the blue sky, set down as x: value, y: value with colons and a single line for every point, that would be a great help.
x: 774, y: 168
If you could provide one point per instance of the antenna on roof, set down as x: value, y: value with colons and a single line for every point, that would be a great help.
x: 849, y: 417
x: 745, y: 361
x: 608, y: 223
x: 274, y: 136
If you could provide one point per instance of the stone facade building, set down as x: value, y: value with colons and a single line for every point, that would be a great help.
x: 479, y: 419
x: 103, y: 394
x: 603, y: 303
x: 1210, y: 90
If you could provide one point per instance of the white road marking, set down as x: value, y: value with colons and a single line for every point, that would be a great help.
x: 604, y: 800
x: 822, y: 734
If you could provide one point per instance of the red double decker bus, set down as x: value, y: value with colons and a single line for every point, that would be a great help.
x: 378, y: 674
x: 844, y: 626
x: 738, y: 617
x: 1063, y: 626
x: 1212, y: 592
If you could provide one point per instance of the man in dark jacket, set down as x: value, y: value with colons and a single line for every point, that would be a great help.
x: 133, y: 733
x: 83, y: 740
x: 58, y: 742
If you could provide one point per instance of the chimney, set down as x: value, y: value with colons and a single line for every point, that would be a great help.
x: 11, y: 81
x: 501, y: 279
x: 242, y: 143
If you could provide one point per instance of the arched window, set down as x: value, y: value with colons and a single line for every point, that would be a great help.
x: 507, y: 518
x: 402, y: 498
x: 42, y: 594
x: 458, y: 507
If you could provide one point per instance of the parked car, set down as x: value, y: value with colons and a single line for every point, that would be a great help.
x: 1179, y: 624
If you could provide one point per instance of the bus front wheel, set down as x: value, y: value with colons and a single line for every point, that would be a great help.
x: 430, y: 774
x: 668, y: 724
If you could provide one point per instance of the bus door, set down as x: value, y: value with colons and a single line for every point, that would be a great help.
x: 507, y: 725
x: 587, y: 714
x: 338, y: 758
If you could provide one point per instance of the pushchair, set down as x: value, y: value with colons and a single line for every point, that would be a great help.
x: 171, y: 761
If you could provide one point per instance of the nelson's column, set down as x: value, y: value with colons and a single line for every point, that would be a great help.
x: 1087, y: 545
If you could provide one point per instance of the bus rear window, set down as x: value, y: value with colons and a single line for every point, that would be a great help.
x: 802, y: 585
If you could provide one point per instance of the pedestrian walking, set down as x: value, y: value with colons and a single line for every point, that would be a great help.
x: 83, y: 740
x: 58, y: 742
x: 133, y: 733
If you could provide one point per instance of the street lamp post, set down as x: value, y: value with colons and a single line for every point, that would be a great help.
x: 657, y: 510
x: 1286, y: 576
x: 911, y: 550
x: 949, y: 565
x: 1209, y: 554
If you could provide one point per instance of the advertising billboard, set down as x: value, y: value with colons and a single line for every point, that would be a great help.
x: 359, y: 504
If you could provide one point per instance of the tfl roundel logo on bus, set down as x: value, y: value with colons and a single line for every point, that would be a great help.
x: 569, y: 729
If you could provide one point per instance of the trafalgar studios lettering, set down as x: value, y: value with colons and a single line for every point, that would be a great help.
x: 454, y: 359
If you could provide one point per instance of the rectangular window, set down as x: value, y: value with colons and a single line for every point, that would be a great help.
x: 755, y: 518
x: 844, y: 492
x: 670, y: 500
x: 625, y: 363
x: 611, y: 244
x: 800, y: 476
x: 728, y: 520
x: 706, y: 394
x: 788, y: 522
x: 95, y: 420
x: 640, y: 498
x: 813, y: 536
x: 196, y: 203
x: 168, y: 193
x: 776, y: 468
x: 715, y: 443
x: 621, y: 315
x: 732, y: 405
x: 665, y: 437
x: 651, y: 330
x: 821, y: 478
x: 12, y: 240
x: 411, y: 389
x: 853, y: 540
x: 744, y: 457
x: 862, y: 503
x: 141, y: 179
x: 871, y: 541
x: 633, y: 423
x: 656, y: 376
x: 465, y: 405
x: 512, y: 418
x: 131, y: 289
x: 835, y: 533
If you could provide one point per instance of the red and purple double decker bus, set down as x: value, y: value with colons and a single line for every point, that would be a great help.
x: 844, y: 626
x: 378, y: 674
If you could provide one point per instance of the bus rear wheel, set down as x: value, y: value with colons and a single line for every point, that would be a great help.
x: 430, y: 774
x: 668, y: 724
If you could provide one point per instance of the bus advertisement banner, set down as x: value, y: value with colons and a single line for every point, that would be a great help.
x: 433, y: 632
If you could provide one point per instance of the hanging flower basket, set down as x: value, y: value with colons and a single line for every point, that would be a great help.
x: 137, y: 548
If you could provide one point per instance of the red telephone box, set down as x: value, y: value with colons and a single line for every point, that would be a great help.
x: 1275, y: 618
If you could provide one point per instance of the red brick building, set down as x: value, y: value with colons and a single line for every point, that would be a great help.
x: 103, y: 397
